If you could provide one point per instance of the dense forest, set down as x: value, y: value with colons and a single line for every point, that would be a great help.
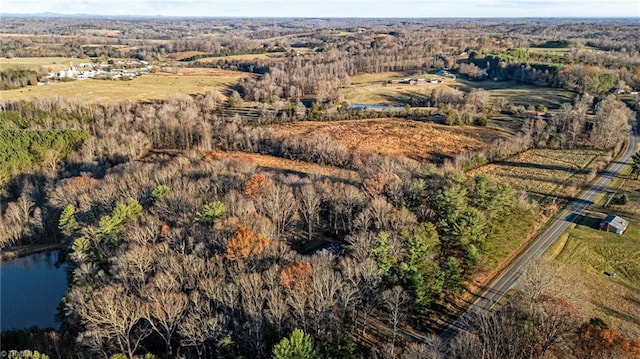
x: 176, y: 251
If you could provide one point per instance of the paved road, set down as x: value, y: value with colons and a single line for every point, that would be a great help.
x: 505, y: 281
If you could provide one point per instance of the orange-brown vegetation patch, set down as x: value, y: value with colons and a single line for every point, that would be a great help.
x: 393, y: 137
x: 79, y: 182
x: 296, y: 276
x: 281, y: 164
x: 245, y: 242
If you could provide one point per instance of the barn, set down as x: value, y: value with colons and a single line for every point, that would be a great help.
x: 614, y: 224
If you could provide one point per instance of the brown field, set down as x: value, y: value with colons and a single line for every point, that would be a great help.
x: 374, y: 88
x: 243, y: 57
x: 183, y: 54
x: 145, y: 87
x: 543, y: 172
x: 34, y: 63
x: 392, y: 137
x: 281, y: 164
x: 102, y: 32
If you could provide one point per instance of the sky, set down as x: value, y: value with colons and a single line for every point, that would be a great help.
x: 331, y: 8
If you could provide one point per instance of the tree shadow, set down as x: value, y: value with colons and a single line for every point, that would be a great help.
x: 635, y: 301
x: 407, y: 97
x: 617, y: 314
x: 439, y: 158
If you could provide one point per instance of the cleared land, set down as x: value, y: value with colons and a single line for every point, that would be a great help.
x: 519, y: 93
x: 284, y: 165
x: 392, y: 137
x: 34, y: 63
x: 374, y: 88
x: 544, y: 172
x: 243, y: 57
x: 631, y: 210
x: 145, y: 87
x: 588, y: 253
x: 183, y: 54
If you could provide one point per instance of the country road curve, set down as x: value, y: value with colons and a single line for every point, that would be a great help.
x: 510, y: 276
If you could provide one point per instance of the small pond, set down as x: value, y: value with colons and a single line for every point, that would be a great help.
x: 31, y: 288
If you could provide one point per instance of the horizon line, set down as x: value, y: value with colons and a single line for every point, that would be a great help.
x: 53, y: 14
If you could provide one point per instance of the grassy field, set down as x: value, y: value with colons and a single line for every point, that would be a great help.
x: 375, y: 89
x: 34, y: 63
x: 361, y: 79
x: 631, y: 188
x: 243, y: 57
x: 183, y: 54
x: 549, y: 50
x: 285, y: 165
x: 520, y: 94
x: 588, y: 253
x: 145, y: 87
x: 544, y: 172
x: 416, y: 140
x: 502, y: 241
x: 595, y: 251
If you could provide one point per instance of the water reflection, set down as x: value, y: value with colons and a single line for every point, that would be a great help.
x: 31, y: 288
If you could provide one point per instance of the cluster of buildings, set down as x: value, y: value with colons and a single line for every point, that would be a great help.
x: 424, y: 81
x: 104, y: 70
x: 412, y: 81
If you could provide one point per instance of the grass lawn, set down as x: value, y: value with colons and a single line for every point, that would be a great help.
x: 417, y: 140
x: 549, y: 50
x: 503, y: 240
x: 34, y: 63
x: 588, y: 253
x: 145, y: 87
x: 595, y: 251
x: 543, y: 172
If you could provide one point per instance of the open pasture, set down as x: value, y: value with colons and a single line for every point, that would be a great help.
x: 588, y: 253
x: 402, y: 138
x: 273, y: 55
x: 375, y: 89
x: 519, y: 93
x: 544, y: 172
x: 35, y: 63
x: 145, y: 87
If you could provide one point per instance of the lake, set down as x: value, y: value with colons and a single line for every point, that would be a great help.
x: 31, y: 288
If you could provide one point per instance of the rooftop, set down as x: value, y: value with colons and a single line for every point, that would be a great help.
x: 616, y: 221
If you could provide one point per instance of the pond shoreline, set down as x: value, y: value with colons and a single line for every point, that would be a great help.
x: 23, y: 251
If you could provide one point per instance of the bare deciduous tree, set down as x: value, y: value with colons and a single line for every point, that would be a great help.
x: 309, y: 202
x: 112, y: 313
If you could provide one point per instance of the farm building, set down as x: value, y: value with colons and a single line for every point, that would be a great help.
x: 614, y: 224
